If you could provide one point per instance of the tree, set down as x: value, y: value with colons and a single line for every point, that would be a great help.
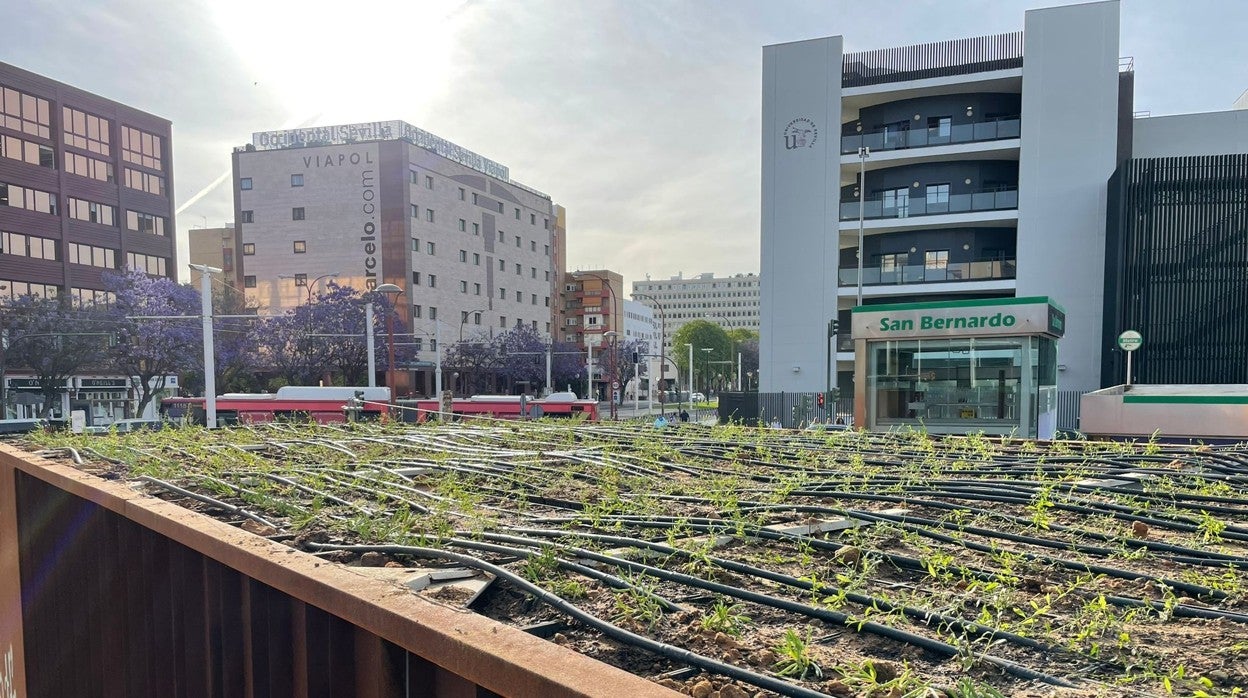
x: 54, y: 340
x: 702, y: 335
x: 150, y: 350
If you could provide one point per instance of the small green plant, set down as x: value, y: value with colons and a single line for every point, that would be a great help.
x: 569, y: 589
x: 795, y: 656
x: 1210, y: 528
x: 968, y: 688
x: 725, y: 618
x: 637, y: 604
x: 540, y: 566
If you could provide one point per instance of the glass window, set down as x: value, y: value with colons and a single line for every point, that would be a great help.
x: 92, y: 211
x: 26, y: 113
x: 416, y: 311
x: 532, y: 219
x: 463, y: 225
x: 433, y: 313
x: 300, y: 246
x: 517, y: 241
x: 428, y: 182
x: 415, y: 211
x: 476, y: 289
x: 945, y: 380
x: 245, y: 185
x: 296, y: 214
x: 140, y: 147
x: 415, y: 278
x: 249, y: 249
x: 939, y: 128
x: 84, y: 166
x: 461, y: 193
x: 937, y: 194
x: 145, y: 181
x: 414, y: 176
x: 463, y: 287
x: 29, y: 199
x: 296, y: 180
x: 476, y: 318
x: 249, y: 216
x: 249, y: 282
x: 429, y: 248
x: 433, y: 281
x: 517, y: 214
x: 896, y: 202
x: 429, y: 215
x: 936, y: 259
x: 463, y: 256
x: 476, y: 228
x: 86, y: 131
x: 476, y: 259
x: 415, y: 244
x: 301, y: 279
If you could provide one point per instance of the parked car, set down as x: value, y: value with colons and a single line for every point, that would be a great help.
x: 698, y: 397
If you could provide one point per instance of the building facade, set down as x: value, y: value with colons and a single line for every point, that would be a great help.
x: 86, y: 186
x: 641, y: 325
x: 729, y: 301
x: 971, y: 169
x: 213, y: 247
x: 385, y: 202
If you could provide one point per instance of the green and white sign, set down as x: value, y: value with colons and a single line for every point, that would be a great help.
x: 1130, y: 340
x: 977, y: 318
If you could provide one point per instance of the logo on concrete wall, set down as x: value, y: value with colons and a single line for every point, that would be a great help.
x: 800, y: 133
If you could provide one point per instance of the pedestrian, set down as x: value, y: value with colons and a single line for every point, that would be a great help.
x: 684, y: 416
x: 775, y: 423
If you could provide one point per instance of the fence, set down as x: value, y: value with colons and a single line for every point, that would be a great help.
x: 939, y: 59
x: 794, y: 410
x: 1068, y: 409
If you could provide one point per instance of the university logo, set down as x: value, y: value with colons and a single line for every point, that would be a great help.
x: 800, y: 133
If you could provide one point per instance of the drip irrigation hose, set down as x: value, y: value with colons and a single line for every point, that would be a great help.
x: 606, y: 628
x: 224, y: 506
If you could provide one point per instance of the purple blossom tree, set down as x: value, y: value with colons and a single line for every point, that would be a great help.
x: 150, y: 350
x: 53, y: 339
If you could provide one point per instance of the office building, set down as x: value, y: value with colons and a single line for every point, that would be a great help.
x: 975, y: 169
x: 213, y: 247
x: 86, y: 186
x: 641, y: 325
x: 386, y: 202
x: 728, y: 301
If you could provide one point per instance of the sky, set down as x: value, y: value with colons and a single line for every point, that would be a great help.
x: 641, y: 117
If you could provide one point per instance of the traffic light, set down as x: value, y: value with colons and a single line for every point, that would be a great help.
x: 635, y: 357
x: 834, y: 327
x: 819, y: 399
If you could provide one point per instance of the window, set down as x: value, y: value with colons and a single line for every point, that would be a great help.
x: 532, y: 272
x: 296, y: 214
x: 415, y: 211
x: 474, y: 197
x: 249, y: 282
x: 143, y: 181
x: 249, y: 249
x: 532, y: 219
x: 428, y: 182
x: 502, y: 294
x: 461, y: 193
x: 548, y: 328
x: 29, y: 199
x: 533, y: 300
x: 415, y: 278
x: 936, y: 259
x: 476, y: 259
x: 476, y: 289
x: 84, y: 166
x: 500, y: 207
x: 519, y: 297
x: 34, y: 154
x: 249, y: 216
x: 84, y: 210
x: 518, y: 267
x: 897, y: 199
x: 28, y: 246
x: 548, y: 275
x: 296, y: 180
x: 893, y: 262
x: 433, y: 313
x: 517, y: 241
x: 430, y: 248
x: 502, y: 265
x: 476, y: 228
x: 83, y: 130
x: 26, y: 113
x: 146, y: 263
x: 433, y: 281
x: 301, y: 246
x: 463, y: 256
x: 415, y: 244
x: 939, y: 128
x: 517, y: 214
x: 145, y: 223
x: 937, y: 196
x: 502, y: 321
x: 413, y: 176
x: 301, y: 279
x: 463, y: 287
x: 463, y: 225
x: 548, y: 250
x: 532, y: 245
x: 547, y: 305
x: 429, y: 215
x: 140, y: 147
x: 546, y: 223
x: 245, y: 185
x: 476, y: 318
x: 418, y: 343
x: 416, y: 311
x: 502, y: 237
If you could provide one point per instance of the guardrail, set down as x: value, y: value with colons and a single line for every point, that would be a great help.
x: 938, y: 59
x: 892, y: 139
x: 994, y: 200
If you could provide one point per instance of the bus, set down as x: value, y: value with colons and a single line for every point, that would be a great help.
x: 564, y: 405
x: 322, y: 404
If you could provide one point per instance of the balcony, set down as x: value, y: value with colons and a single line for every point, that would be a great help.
x: 934, y: 60
x: 891, y: 139
x: 901, y: 207
x: 982, y: 270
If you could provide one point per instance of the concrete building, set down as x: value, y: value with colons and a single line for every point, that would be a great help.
x: 985, y: 178
x: 215, y: 248
x: 86, y: 186
x: 729, y: 301
x: 640, y: 324
x: 385, y: 202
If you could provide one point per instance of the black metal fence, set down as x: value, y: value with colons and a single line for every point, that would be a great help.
x: 938, y: 59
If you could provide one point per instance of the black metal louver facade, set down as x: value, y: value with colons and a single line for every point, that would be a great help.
x: 1176, y: 269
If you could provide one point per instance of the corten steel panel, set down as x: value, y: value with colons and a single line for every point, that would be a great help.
x: 123, y: 594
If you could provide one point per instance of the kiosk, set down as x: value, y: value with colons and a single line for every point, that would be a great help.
x: 959, y: 367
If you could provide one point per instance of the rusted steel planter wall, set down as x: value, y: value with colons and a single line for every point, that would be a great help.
x: 105, y: 591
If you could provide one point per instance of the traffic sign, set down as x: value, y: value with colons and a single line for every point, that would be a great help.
x: 615, y: 385
x: 1130, y: 340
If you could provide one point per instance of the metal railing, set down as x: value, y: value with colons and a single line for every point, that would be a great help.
x: 980, y: 270
x: 892, y: 139
x: 994, y: 200
x: 938, y: 59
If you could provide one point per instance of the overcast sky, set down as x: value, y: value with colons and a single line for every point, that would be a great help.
x: 640, y: 116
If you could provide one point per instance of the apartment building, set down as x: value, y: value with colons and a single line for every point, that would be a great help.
x: 385, y: 202
x: 729, y: 301
x: 86, y: 186
x: 213, y: 247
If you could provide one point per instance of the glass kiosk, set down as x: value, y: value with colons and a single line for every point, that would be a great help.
x: 959, y: 367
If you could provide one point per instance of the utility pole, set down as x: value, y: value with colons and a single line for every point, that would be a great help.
x: 210, y: 361
x: 863, y: 153
x: 370, y: 343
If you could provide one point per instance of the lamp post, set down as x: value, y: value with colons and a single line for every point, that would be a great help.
x: 613, y: 366
x: 210, y: 361
x: 690, y: 373
x: 863, y: 153
x: 464, y: 319
x: 392, y: 293
x: 309, y: 285
x: 705, y: 376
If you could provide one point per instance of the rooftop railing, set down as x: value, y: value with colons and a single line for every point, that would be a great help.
x: 892, y: 139
x: 992, y: 200
x: 955, y: 57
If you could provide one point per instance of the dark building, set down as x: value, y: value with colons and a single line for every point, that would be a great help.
x: 1176, y: 269
x: 86, y: 186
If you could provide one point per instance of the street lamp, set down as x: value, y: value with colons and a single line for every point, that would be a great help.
x: 464, y: 319
x: 309, y: 285
x: 864, y: 152
x: 690, y: 373
x: 612, y: 336
x: 707, y: 364
x: 392, y: 293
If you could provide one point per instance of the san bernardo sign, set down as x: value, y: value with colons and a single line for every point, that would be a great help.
x: 1005, y: 316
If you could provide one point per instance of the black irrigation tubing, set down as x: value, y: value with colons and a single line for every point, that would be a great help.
x: 608, y: 579
x: 1159, y: 546
x: 924, y: 616
x: 606, y: 628
x: 936, y: 647
x: 224, y: 506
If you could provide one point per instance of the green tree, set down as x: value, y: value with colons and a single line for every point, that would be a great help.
x: 702, y: 334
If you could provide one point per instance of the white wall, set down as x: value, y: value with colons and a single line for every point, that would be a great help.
x: 800, y: 190
x: 1069, y: 142
x: 1211, y: 133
